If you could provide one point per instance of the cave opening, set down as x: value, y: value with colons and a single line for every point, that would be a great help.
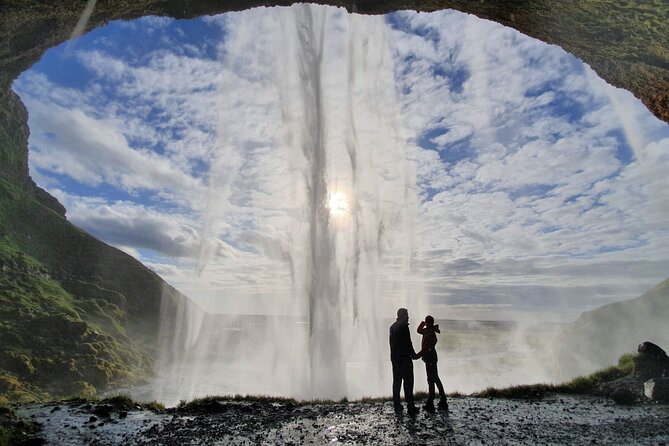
x: 492, y: 177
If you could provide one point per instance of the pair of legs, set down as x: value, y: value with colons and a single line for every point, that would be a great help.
x: 403, y: 374
x: 432, y: 379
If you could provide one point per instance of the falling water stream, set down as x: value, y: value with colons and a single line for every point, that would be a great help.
x: 346, y: 238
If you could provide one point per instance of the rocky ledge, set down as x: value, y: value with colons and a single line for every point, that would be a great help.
x: 648, y: 382
x: 557, y: 419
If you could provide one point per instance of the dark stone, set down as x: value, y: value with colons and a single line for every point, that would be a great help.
x: 653, y: 350
x: 92, y: 419
x: 103, y: 410
x: 212, y: 406
x: 652, y: 362
x: 624, y: 396
x: 123, y: 414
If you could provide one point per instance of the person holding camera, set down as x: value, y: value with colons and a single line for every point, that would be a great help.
x: 428, y: 354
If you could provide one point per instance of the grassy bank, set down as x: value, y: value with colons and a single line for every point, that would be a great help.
x: 60, y: 333
x: 582, y: 385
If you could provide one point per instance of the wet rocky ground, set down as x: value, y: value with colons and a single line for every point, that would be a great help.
x: 558, y: 419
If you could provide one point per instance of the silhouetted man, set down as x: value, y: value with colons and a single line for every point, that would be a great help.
x: 401, y: 355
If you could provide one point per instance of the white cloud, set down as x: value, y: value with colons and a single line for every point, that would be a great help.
x: 93, y: 151
x: 132, y: 225
x: 535, y: 180
x: 130, y: 251
x: 529, y: 185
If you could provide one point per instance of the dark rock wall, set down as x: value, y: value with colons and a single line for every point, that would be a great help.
x: 14, y: 149
x: 13, y: 139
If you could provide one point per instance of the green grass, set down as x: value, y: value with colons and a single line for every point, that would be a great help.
x: 59, y: 334
x: 83, y: 265
x: 204, y: 401
x: 582, y: 385
x: 587, y: 385
x: 55, y: 341
x: 76, y: 315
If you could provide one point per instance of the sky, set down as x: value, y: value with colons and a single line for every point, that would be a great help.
x: 539, y: 189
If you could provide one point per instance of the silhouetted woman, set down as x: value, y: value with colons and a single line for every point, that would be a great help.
x: 428, y: 354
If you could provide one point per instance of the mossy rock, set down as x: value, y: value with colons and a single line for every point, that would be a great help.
x: 9, y: 384
x: 23, y: 396
x: 53, y: 372
x: 64, y: 326
x: 124, y: 376
x: 88, y: 289
x: 19, y: 364
x: 98, y: 375
x: 88, y: 349
x: 81, y: 389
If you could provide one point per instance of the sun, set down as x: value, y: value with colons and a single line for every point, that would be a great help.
x: 337, y: 204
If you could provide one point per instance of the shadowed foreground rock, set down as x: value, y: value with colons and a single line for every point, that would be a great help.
x: 652, y: 362
x: 657, y: 390
x: 553, y: 420
x: 653, y: 365
x: 648, y: 380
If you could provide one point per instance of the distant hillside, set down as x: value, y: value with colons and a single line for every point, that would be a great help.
x: 76, y: 315
x: 598, y: 337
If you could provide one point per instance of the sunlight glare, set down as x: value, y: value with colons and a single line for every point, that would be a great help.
x: 337, y: 204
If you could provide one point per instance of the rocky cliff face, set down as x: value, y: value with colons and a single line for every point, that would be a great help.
x: 76, y: 315
x: 13, y: 139
x: 14, y: 149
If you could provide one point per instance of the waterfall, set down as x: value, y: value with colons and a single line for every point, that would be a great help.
x: 339, y: 231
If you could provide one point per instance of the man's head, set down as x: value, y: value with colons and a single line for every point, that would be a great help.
x: 403, y: 315
x: 429, y: 321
